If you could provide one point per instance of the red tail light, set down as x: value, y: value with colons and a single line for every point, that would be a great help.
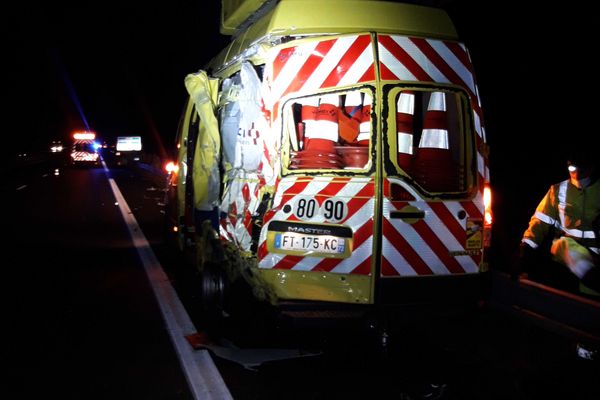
x: 488, y: 216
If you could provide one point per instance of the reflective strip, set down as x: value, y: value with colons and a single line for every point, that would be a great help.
x: 314, y: 65
x: 427, y: 244
x: 404, y: 116
x: 356, y: 193
x: 359, y: 68
x: 577, y: 233
x: 437, y: 102
x: 397, y: 68
x: 365, y: 124
x: 405, y: 143
x: 365, y: 127
x: 363, y: 136
x: 530, y: 242
x: 456, y: 65
x: 434, y: 138
x: 416, y: 59
x: 562, y: 203
x: 406, y: 103
x: 545, y: 218
x: 324, y: 130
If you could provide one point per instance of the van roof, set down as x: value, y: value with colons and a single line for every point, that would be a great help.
x: 251, y: 20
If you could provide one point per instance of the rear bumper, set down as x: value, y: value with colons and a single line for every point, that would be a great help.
x: 404, y: 299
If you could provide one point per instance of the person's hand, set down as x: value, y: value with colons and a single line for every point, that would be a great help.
x: 524, y: 260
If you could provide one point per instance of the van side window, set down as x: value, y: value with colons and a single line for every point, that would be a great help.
x: 329, y: 131
x: 429, y: 140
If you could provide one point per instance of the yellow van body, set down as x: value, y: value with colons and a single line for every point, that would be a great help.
x: 338, y: 148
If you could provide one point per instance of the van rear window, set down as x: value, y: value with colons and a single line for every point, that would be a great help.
x: 329, y: 131
x: 428, y: 139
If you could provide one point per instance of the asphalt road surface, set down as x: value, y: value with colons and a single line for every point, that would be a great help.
x: 81, y: 321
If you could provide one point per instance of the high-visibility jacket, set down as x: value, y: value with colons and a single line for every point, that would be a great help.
x: 571, y: 211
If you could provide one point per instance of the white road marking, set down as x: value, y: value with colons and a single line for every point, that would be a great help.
x: 21, y: 187
x: 201, y: 373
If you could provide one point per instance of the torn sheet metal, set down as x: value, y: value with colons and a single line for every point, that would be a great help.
x: 203, y: 92
x: 252, y: 358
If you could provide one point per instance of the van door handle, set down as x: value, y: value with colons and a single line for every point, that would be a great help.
x: 404, y: 214
x: 409, y: 214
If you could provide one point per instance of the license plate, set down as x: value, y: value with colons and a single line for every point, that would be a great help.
x: 309, y: 240
x: 309, y: 243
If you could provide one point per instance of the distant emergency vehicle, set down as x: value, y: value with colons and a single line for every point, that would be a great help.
x: 337, y: 151
x: 85, y: 149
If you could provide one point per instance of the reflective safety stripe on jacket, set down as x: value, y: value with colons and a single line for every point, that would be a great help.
x: 571, y: 211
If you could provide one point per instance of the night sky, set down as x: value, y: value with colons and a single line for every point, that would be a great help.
x: 115, y: 67
x: 119, y: 68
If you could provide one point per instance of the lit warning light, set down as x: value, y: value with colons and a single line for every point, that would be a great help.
x: 171, y: 167
x: 84, y: 136
x: 116, y: 203
x: 175, y: 229
x: 56, y: 172
x: 487, y: 202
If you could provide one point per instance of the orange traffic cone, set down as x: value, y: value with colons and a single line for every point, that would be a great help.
x: 321, y: 134
x: 326, y: 134
x: 308, y: 115
x: 433, y: 165
x: 404, y: 127
x: 364, y: 134
x: 435, y: 128
x: 350, y: 119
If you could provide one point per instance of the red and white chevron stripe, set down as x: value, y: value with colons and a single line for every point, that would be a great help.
x: 313, y: 65
x: 240, y: 202
x: 358, y: 195
x: 428, y: 60
x: 434, y: 245
x: 426, y: 246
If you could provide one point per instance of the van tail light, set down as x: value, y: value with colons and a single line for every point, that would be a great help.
x: 488, y: 216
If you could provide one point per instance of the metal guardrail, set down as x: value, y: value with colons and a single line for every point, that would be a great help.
x: 562, y: 312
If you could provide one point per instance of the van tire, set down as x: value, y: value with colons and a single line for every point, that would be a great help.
x: 213, y: 280
x: 213, y: 294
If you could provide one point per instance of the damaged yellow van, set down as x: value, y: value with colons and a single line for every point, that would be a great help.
x: 334, y: 153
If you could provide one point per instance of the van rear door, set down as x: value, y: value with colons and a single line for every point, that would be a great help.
x: 432, y: 208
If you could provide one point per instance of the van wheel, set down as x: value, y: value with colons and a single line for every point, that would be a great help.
x: 213, y: 280
x: 213, y: 288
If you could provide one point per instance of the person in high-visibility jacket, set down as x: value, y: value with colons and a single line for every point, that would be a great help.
x: 569, y: 215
